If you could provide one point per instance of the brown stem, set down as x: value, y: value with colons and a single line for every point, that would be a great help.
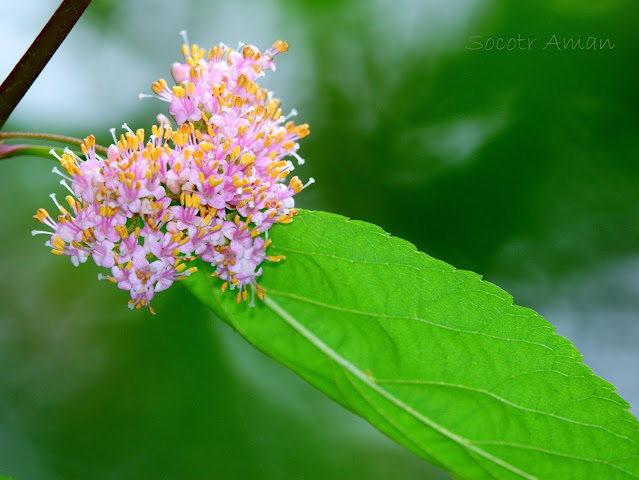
x: 50, y: 137
x: 38, y: 55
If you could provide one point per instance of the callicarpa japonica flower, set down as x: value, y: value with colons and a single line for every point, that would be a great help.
x: 209, y: 187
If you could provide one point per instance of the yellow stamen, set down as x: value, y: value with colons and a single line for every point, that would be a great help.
x: 159, y: 86
x: 284, y: 219
x: 302, y: 130
x: 296, y: 184
x: 41, y: 215
x: 214, y: 182
x: 260, y: 293
x: 281, y: 46
x: 58, y: 242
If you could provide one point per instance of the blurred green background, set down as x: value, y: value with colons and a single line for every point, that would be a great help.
x: 521, y: 165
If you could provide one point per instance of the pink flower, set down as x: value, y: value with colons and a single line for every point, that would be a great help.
x: 209, y: 188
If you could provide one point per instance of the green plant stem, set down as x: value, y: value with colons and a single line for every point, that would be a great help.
x: 38, y: 55
x: 9, y: 151
x: 50, y: 137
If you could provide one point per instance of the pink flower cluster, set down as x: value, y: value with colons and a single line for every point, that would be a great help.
x: 209, y: 188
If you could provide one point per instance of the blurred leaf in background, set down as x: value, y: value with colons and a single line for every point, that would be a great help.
x: 532, y: 155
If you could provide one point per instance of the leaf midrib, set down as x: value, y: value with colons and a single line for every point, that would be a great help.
x: 355, y: 371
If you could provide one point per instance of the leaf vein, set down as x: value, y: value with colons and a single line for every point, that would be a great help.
x: 498, y: 398
x: 559, y: 454
x: 320, y: 345
x: 400, y: 317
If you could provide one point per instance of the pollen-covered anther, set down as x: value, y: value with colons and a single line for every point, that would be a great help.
x: 302, y: 130
x: 296, y: 184
x: 281, y: 46
x: 284, y: 219
x: 214, y: 182
x: 179, y: 92
x: 159, y: 86
x: 58, y: 242
x: 235, y: 152
x: 247, y: 159
x: 71, y: 201
x: 41, y: 215
x: 69, y: 164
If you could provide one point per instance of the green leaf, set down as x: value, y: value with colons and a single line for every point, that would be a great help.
x: 436, y: 358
